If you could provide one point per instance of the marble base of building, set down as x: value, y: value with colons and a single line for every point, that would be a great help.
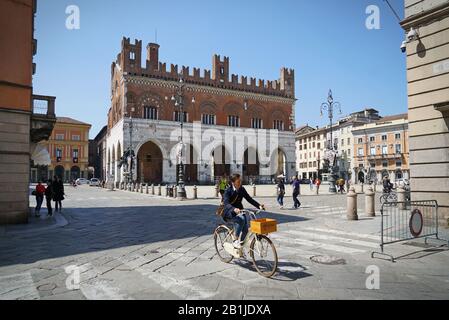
x: 155, y: 146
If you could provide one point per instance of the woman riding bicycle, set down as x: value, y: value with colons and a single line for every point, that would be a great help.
x: 233, y: 197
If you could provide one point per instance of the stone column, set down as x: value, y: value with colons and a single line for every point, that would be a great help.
x: 217, y: 191
x: 401, y: 198
x: 370, y: 202
x: 352, y: 205
x: 195, y: 192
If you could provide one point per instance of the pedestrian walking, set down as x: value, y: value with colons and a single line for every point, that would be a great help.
x: 58, y: 193
x: 318, y: 184
x: 280, y: 192
x: 341, y: 184
x: 223, y: 184
x: 49, y: 193
x: 39, y: 193
x: 296, y: 191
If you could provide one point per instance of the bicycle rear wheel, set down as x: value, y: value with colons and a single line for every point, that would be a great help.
x: 223, y: 235
x: 264, y: 255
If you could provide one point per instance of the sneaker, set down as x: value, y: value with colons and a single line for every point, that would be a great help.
x: 237, y: 244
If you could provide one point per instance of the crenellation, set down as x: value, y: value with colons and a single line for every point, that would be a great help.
x: 253, y: 83
x: 196, y: 74
x: 185, y: 72
x: 235, y: 79
x: 219, y: 76
x: 207, y: 75
x: 174, y: 70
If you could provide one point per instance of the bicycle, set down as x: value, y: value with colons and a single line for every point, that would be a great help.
x: 388, y: 197
x: 261, y: 249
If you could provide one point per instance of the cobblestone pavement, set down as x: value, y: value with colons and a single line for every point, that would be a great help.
x: 135, y: 246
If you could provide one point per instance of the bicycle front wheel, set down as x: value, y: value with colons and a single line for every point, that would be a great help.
x: 264, y: 255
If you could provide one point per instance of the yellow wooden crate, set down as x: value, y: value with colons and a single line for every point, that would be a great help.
x: 263, y: 226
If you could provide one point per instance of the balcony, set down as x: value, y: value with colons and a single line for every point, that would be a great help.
x: 385, y: 156
x: 43, y: 118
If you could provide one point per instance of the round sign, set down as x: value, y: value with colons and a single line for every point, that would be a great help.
x: 416, y: 223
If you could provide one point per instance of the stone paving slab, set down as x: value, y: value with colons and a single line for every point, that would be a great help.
x: 134, y: 246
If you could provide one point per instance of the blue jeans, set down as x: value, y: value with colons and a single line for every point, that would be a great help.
x: 241, y: 227
x: 39, y: 200
x: 281, y: 199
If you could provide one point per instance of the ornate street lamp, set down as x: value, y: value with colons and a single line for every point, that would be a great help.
x: 330, y: 106
x: 178, y: 99
x: 129, y: 155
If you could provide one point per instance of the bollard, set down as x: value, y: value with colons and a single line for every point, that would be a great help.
x: 159, y: 191
x: 401, y: 198
x: 166, y: 191
x: 352, y: 204
x: 195, y: 192
x: 152, y: 189
x: 175, y: 192
x: 362, y: 188
x: 147, y: 189
x: 370, y: 210
x: 254, y: 190
x: 217, y: 190
x: 141, y: 188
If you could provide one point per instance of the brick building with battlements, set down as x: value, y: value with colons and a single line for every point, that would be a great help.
x: 233, y: 109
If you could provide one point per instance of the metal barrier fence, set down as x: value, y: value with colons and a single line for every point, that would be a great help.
x: 404, y: 221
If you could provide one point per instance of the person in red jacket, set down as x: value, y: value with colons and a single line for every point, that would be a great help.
x: 318, y: 184
x: 39, y: 193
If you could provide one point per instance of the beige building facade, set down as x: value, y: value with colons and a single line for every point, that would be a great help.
x: 381, y: 150
x: 310, y: 146
x: 68, y: 148
x: 428, y: 100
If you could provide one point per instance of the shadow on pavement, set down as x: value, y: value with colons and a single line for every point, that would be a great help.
x: 287, y: 271
x: 104, y: 228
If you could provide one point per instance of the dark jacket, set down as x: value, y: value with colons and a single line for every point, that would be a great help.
x: 58, y: 191
x: 387, y: 185
x: 281, y: 187
x: 296, y: 185
x: 49, y: 192
x: 236, y: 198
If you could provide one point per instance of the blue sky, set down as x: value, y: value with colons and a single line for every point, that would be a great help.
x: 325, y: 41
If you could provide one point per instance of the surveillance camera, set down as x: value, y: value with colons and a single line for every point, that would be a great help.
x: 412, y: 35
x: 404, y: 46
